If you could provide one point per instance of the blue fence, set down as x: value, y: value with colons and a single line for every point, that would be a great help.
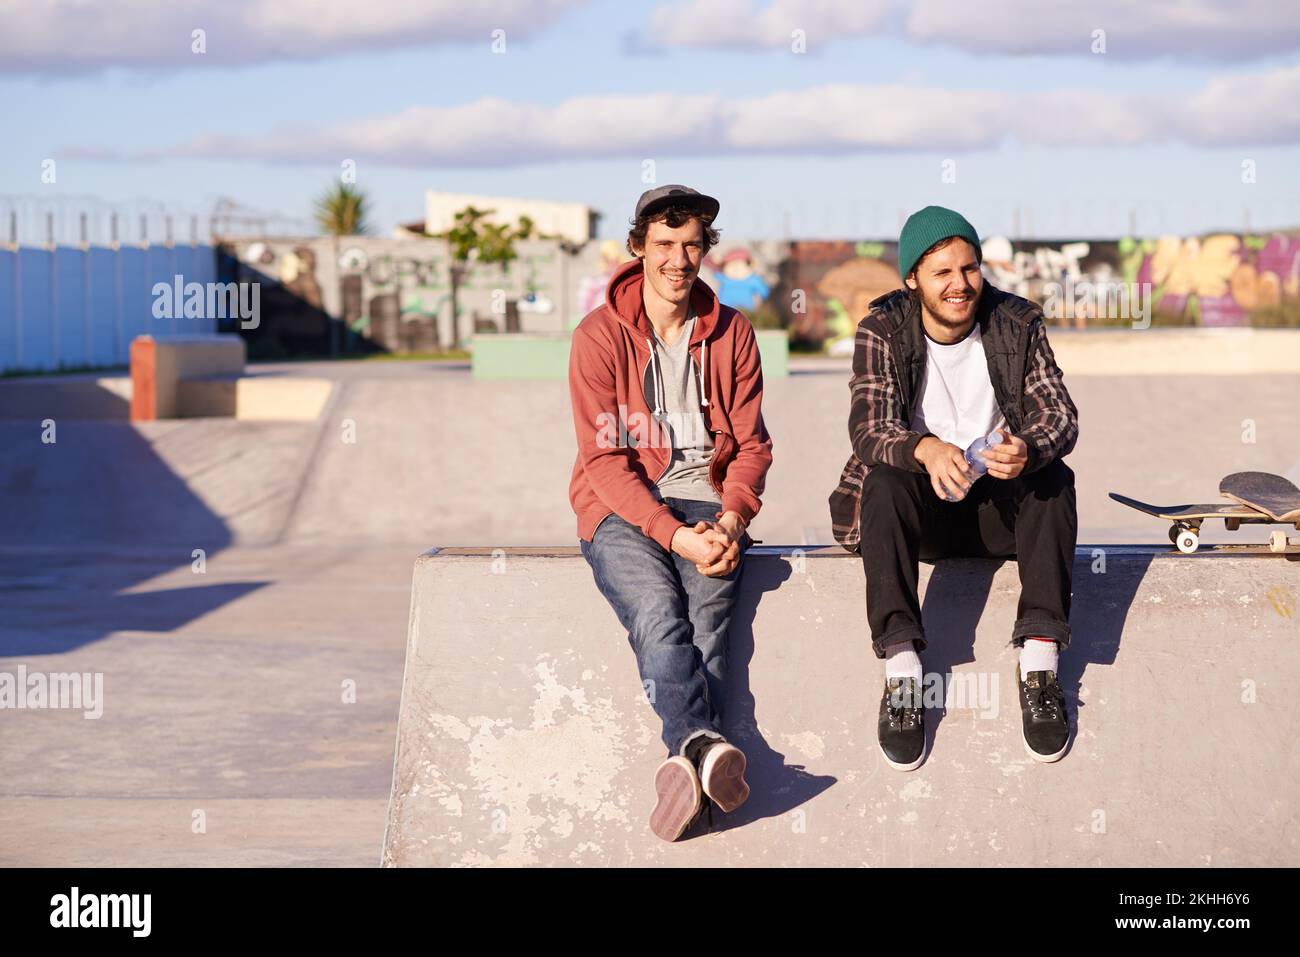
x: 70, y: 307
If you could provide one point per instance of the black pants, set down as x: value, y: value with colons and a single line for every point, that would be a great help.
x: 1031, y: 518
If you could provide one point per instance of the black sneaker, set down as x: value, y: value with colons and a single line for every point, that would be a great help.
x: 901, y: 726
x: 1045, y: 724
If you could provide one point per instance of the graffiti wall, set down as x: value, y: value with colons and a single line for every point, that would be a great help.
x: 345, y: 294
x: 1215, y: 280
x: 350, y: 294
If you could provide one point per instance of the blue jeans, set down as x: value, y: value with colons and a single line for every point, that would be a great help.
x: 676, y: 619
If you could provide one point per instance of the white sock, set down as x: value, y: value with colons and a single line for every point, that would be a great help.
x: 902, y: 661
x: 1039, y: 654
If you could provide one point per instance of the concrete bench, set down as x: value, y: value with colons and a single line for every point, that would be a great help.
x: 524, y: 737
x: 546, y: 356
x: 159, y: 364
x: 182, y: 377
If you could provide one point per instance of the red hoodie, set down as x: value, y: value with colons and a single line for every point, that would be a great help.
x: 622, y: 450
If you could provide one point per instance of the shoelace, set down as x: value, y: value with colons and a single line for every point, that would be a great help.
x: 901, y: 715
x: 1043, y: 702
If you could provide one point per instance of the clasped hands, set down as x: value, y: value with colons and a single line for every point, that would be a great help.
x: 714, y: 547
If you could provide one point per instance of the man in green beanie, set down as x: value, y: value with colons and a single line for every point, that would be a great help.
x: 960, y: 420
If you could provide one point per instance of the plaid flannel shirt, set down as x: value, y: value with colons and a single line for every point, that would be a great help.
x: 1029, y: 385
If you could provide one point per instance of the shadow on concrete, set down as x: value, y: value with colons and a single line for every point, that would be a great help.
x: 61, y: 398
x: 45, y: 622
x: 958, y: 592
x: 775, y: 786
x: 293, y: 321
x: 87, y: 518
x: 955, y: 597
x: 834, y: 370
x: 1098, y: 610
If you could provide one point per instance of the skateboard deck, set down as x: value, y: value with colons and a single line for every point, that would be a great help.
x: 1186, y: 528
x: 1186, y: 520
x: 1271, y: 494
x: 1179, y: 513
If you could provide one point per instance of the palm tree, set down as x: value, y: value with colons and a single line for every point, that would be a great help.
x: 342, y: 211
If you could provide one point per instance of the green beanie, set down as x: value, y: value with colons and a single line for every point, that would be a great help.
x: 926, y: 227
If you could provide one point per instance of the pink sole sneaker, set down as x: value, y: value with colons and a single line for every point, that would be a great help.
x: 678, y: 790
x: 723, y: 776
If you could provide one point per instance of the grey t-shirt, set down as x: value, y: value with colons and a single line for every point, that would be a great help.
x: 688, y: 472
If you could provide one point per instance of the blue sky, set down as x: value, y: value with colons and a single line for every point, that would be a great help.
x: 834, y: 142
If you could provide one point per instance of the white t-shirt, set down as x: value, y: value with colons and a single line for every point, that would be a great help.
x: 956, y: 401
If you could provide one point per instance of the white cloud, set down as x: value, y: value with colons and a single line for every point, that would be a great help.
x: 1203, y: 30
x: 73, y: 36
x: 1239, y: 109
x: 742, y: 23
x: 1197, y: 30
x: 835, y: 119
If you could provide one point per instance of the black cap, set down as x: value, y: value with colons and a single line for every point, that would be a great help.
x: 653, y: 200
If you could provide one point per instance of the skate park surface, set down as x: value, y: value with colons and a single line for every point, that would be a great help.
x: 245, y: 589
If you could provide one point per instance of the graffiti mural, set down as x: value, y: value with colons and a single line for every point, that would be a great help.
x: 1218, y: 280
x: 829, y: 286
x: 402, y: 296
x: 739, y: 283
x: 1214, y: 280
x: 396, y: 294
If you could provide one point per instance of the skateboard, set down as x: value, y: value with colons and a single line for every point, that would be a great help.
x: 1271, y: 494
x: 1259, y: 498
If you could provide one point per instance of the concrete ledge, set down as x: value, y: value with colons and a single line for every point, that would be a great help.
x: 1176, y: 351
x: 535, y: 356
x: 159, y: 363
x: 774, y: 352
x: 524, y: 737
x: 517, y: 355
x: 259, y: 398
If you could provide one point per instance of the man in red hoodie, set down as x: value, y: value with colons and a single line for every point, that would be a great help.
x: 667, y: 396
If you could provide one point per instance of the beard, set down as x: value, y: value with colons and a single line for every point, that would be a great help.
x: 952, y: 318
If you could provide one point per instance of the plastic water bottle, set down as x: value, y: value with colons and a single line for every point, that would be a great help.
x: 975, y: 458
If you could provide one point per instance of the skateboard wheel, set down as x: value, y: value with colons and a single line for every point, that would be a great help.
x: 1277, y: 541
x: 1173, y: 533
x: 1187, y: 541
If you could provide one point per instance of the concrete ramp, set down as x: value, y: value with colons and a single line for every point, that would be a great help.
x: 524, y: 738
x: 182, y: 484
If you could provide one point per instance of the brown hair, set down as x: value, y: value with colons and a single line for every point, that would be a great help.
x: 673, y: 216
x: 979, y: 256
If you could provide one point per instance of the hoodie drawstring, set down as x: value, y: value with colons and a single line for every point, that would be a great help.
x: 656, y: 376
x: 704, y: 370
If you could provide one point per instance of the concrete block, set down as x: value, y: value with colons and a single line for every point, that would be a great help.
x: 521, y: 356
x: 1176, y: 351
x: 774, y: 352
x: 253, y: 398
x: 159, y: 363
x: 541, y: 356
x: 525, y: 739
